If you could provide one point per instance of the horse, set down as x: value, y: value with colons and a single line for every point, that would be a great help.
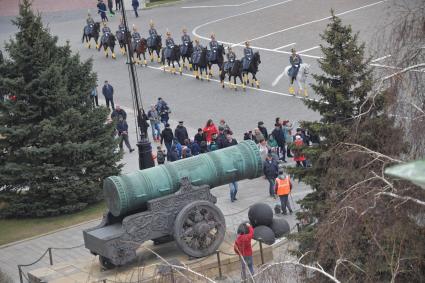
x: 219, y: 59
x: 200, y: 63
x: 174, y: 57
x: 141, y: 48
x: 122, y: 40
x: 155, y: 47
x: 89, y: 34
x: 108, y: 43
x: 301, y: 79
x: 235, y: 72
x: 253, y: 69
x: 186, y: 53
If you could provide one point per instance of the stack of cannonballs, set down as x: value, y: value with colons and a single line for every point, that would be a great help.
x: 266, y: 228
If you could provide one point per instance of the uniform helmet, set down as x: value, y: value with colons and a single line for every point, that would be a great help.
x: 212, y: 35
x: 168, y: 33
x: 229, y: 47
x: 104, y: 24
x: 134, y: 27
x: 151, y: 23
x: 293, y: 50
x: 247, y: 43
x: 196, y: 39
x: 184, y: 29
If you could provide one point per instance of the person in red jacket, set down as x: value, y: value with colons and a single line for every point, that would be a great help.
x: 209, y: 130
x: 299, y: 156
x: 243, y: 247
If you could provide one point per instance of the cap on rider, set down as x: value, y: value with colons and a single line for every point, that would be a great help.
x: 247, y: 43
x: 212, y: 36
x: 151, y: 24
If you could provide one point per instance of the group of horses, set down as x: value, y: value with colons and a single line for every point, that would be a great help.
x: 199, y: 62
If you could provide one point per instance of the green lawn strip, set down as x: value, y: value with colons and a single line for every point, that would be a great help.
x: 12, y: 230
x: 153, y: 4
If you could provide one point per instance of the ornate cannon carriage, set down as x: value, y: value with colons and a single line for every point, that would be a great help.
x: 170, y: 201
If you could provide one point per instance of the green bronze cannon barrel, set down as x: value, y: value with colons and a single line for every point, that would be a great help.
x: 130, y: 192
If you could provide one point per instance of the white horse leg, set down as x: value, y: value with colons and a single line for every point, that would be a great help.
x: 300, y: 87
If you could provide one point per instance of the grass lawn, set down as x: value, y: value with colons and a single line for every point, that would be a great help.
x: 159, y: 2
x: 17, y: 229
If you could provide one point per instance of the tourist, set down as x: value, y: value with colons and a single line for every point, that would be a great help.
x: 271, y: 171
x: 263, y: 129
x: 278, y: 136
x: 243, y: 247
x: 117, y: 113
x: 209, y: 130
x: 167, y: 138
x: 93, y: 97
x: 155, y: 121
x: 160, y: 155
x: 180, y: 133
x: 230, y: 141
x: 122, y: 129
x: 200, y: 136
x: 108, y: 93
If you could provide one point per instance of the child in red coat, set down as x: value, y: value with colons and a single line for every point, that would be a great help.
x: 243, y: 246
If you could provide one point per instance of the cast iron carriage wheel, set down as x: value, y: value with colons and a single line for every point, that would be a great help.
x: 199, y: 229
x: 106, y: 262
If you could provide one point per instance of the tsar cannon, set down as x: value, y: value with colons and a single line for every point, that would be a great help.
x: 170, y: 201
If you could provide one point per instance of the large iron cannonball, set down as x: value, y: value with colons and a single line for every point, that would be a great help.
x: 280, y: 227
x: 264, y: 234
x: 260, y: 214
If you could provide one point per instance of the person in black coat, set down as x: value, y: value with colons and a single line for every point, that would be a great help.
x: 271, y: 171
x: 167, y: 137
x: 108, y: 93
x: 181, y: 133
x: 199, y: 137
x: 229, y: 141
x: 278, y: 136
x: 135, y: 4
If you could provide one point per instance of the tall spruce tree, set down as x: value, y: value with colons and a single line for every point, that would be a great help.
x: 343, y: 88
x: 55, y: 149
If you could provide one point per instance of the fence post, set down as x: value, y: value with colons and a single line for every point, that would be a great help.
x: 21, y: 279
x: 261, y: 250
x: 50, y: 256
x: 220, y: 273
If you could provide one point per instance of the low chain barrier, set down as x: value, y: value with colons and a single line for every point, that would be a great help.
x: 48, y: 251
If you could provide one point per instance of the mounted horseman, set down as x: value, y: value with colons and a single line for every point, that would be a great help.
x: 232, y: 68
x: 154, y: 41
x: 139, y: 46
x: 107, y: 41
x: 91, y: 30
x: 120, y: 34
x: 171, y: 53
x: 199, y: 59
x: 186, y: 49
x: 295, y: 61
x: 215, y: 55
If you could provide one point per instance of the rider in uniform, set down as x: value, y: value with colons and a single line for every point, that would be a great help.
x: 136, y: 37
x: 106, y: 33
x: 196, y: 56
x: 169, y: 45
x: 213, y: 53
x: 185, y: 44
x: 248, y: 54
x: 121, y: 33
x: 90, y: 25
x: 295, y: 61
x: 153, y: 34
x: 231, y: 57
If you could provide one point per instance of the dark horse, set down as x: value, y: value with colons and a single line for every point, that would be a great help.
x: 200, y: 62
x: 253, y: 69
x: 156, y: 47
x: 122, y: 40
x: 235, y: 72
x: 89, y: 34
x: 186, y: 53
x: 106, y: 43
x: 217, y: 59
x: 173, y: 57
x: 140, y: 48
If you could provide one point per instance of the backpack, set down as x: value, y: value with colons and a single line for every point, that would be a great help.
x: 160, y: 157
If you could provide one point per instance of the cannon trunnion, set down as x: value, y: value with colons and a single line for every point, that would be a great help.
x: 171, y: 201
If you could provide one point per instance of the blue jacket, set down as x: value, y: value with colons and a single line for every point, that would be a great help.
x: 135, y: 3
x: 108, y: 91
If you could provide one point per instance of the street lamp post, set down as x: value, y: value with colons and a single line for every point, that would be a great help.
x: 143, y: 143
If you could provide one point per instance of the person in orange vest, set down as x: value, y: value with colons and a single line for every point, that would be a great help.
x: 282, y: 188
